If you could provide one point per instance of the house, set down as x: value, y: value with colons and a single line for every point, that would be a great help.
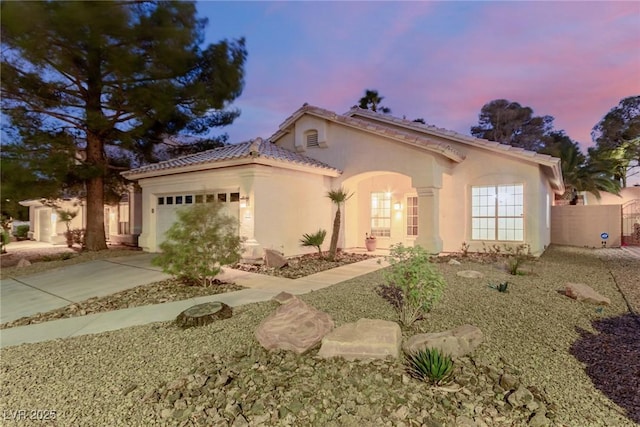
x: 412, y: 184
x: 122, y: 221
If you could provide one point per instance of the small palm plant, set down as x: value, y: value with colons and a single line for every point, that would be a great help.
x: 430, y: 365
x: 315, y: 240
x: 338, y: 197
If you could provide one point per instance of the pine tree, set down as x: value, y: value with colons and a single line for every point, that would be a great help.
x: 93, y: 86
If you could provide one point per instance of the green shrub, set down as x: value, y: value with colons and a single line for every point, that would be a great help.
x: 413, y: 283
x: 315, y: 240
x: 517, y: 256
x: 430, y: 365
x: 201, y: 241
x: 77, y: 236
x: 5, y: 238
x: 22, y: 231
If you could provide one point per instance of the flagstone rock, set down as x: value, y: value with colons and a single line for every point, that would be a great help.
x: 456, y: 342
x: 470, y: 274
x: 585, y: 293
x: 294, y: 326
x: 363, y: 340
x: 23, y: 263
x: 453, y: 262
x: 274, y: 259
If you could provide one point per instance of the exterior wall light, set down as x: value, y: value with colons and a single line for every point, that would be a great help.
x: 397, y: 206
x: 244, y: 201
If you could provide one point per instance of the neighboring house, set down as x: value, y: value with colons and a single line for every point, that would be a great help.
x: 412, y: 184
x: 122, y: 221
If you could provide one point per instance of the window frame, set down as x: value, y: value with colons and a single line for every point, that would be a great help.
x: 379, y: 214
x: 495, y: 217
x: 409, y: 215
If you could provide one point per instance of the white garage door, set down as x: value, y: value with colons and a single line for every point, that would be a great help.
x: 168, y: 205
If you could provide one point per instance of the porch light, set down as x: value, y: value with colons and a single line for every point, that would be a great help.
x: 397, y: 206
x: 244, y: 201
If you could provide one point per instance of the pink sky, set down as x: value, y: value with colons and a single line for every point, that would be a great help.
x: 441, y: 61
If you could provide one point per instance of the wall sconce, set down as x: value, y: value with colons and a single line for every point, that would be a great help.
x: 244, y: 201
x: 397, y: 206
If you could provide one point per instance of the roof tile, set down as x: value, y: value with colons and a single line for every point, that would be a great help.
x: 231, y: 152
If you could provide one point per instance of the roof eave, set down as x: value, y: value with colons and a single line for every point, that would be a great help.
x: 243, y: 161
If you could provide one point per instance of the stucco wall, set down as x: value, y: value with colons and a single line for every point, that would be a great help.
x: 289, y: 204
x: 583, y: 225
x: 282, y: 206
x: 358, y: 153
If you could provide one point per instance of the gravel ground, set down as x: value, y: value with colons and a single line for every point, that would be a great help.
x: 575, y: 361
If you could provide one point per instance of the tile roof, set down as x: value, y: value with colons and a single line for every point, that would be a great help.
x: 374, y: 122
x: 445, y: 133
x: 368, y: 126
x: 249, y: 150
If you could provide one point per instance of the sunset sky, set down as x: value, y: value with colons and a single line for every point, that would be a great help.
x: 441, y: 61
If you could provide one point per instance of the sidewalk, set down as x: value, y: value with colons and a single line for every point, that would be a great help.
x: 259, y: 288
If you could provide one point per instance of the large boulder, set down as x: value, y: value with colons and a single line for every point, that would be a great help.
x: 294, y: 326
x: 456, y: 342
x: 274, y: 259
x: 584, y: 293
x: 362, y: 340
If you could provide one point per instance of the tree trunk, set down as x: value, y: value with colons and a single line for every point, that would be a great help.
x: 203, y: 314
x: 95, y: 239
x: 334, y: 236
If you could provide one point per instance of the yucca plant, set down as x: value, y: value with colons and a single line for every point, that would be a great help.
x: 316, y: 240
x: 500, y: 287
x: 430, y: 365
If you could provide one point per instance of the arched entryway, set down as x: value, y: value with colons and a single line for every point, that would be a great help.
x: 384, y: 204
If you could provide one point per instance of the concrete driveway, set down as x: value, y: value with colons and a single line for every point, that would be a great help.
x: 28, y: 295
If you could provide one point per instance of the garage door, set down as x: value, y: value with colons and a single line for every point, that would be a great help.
x: 168, y: 205
x: 44, y: 225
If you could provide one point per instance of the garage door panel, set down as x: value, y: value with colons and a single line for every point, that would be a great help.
x: 167, y: 215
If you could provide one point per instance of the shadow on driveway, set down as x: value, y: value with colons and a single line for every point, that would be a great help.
x: 612, y: 359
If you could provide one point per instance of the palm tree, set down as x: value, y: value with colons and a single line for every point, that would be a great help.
x: 338, y: 197
x: 371, y: 101
x: 581, y: 173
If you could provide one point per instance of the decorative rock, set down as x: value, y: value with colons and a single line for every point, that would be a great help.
x: 456, y: 343
x: 470, y: 274
x: 294, y: 326
x: 520, y: 397
x: 274, y: 259
x: 539, y: 420
x: 23, y: 263
x: 283, y: 298
x: 584, y: 293
x: 364, y: 339
x: 454, y: 262
x: 508, y: 382
x: 203, y: 314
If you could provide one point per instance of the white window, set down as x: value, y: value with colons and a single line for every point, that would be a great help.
x: 312, y: 138
x: 381, y: 214
x: 412, y: 216
x: 497, y: 212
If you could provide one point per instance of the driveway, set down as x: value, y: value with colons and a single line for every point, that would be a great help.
x: 28, y: 295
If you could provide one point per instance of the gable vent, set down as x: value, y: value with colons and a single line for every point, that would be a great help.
x: 312, y: 139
